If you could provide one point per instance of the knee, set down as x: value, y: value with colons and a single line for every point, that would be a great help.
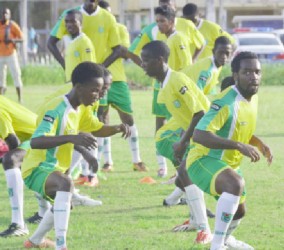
x: 240, y: 212
x: 128, y: 119
x: 235, y: 185
x: 66, y: 185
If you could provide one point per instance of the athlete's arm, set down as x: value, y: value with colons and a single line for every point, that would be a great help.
x: 262, y: 147
x: 136, y: 59
x: 116, y: 52
x: 12, y: 141
x: 107, y: 130
x: 211, y: 140
x: 197, y: 53
x: 88, y: 156
x: 51, y: 44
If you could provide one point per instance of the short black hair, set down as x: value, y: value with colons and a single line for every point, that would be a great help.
x: 157, y: 49
x: 77, y: 13
x: 227, y: 82
x: 85, y: 71
x: 223, y: 40
x: 165, y: 11
x: 104, y: 4
x: 190, y: 9
x: 236, y: 62
x: 106, y: 72
x: 166, y: 1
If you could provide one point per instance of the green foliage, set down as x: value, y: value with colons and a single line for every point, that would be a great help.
x: 132, y: 215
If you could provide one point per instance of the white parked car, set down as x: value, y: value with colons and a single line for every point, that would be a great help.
x: 267, y: 46
x: 280, y: 34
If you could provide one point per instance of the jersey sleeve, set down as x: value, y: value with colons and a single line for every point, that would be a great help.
x: 59, y: 30
x: 6, y: 126
x: 113, y: 34
x: 89, y: 122
x: 196, y: 37
x: 16, y: 31
x: 124, y: 36
x: 48, y: 124
x: 215, y: 118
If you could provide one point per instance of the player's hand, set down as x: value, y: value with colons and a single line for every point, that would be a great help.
x: 86, y: 140
x: 92, y: 161
x: 249, y: 151
x: 125, y: 130
x: 266, y: 152
x: 179, y: 150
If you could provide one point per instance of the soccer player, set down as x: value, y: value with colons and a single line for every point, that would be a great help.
x: 211, y: 31
x: 187, y: 104
x: 52, y: 146
x: 205, y: 72
x: 151, y: 33
x: 80, y: 48
x: 106, y: 41
x: 222, y: 137
x: 17, y: 124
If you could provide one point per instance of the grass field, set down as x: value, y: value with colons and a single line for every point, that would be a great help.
x: 132, y: 216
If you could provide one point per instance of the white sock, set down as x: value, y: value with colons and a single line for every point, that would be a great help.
x: 195, y: 200
x: 134, y: 144
x: 43, y: 205
x: 161, y: 161
x: 76, y: 158
x: 85, y: 167
x: 43, y: 228
x: 233, y: 226
x: 227, y: 206
x: 107, y: 150
x: 174, y: 197
x: 15, y: 187
x: 62, y: 204
x: 100, y: 141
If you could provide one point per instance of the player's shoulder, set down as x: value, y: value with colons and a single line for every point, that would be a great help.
x: 211, y: 24
x: 227, y: 97
x: 105, y: 15
x: 184, y: 22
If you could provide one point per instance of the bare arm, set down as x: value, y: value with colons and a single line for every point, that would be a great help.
x: 197, y: 53
x: 51, y: 44
x: 262, y: 147
x: 116, y: 53
x: 107, y: 130
x: 213, y: 141
x: 136, y: 59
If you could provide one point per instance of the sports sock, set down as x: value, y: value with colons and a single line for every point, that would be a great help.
x: 43, y: 228
x: 232, y: 227
x: 62, y: 204
x: 15, y: 187
x: 43, y: 205
x: 76, y: 158
x: 100, y: 141
x: 134, y: 144
x: 174, y: 197
x: 107, y: 150
x: 85, y: 167
x: 161, y: 161
x: 195, y: 200
x: 227, y: 206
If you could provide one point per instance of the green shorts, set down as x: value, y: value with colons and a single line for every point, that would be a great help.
x: 165, y: 144
x: 204, y: 171
x: 118, y: 96
x: 159, y: 109
x: 25, y: 145
x: 36, y: 180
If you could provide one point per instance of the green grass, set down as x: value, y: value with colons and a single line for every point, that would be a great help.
x: 132, y: 216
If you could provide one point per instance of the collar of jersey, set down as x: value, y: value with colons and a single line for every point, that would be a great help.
x: 77, y: 37
x: 165, y: 82
x: 87, y: 14
x: 239, y: 94
x: 70, y: 107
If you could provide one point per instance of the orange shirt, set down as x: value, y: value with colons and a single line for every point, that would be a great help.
x: 15, y: 33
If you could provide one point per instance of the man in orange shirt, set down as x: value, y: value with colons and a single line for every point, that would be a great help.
x: 10, y: 34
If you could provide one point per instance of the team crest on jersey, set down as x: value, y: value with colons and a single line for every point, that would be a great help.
x: 182, y: 46
x: 88, y: 50
x: 48, y: 118
x: 215, y: 106
x: 76, y: 53
x: 226, y: 217
x: 243, y: 123
x: 177, y: 103
x: 183, y: 90
x: 101, y: 29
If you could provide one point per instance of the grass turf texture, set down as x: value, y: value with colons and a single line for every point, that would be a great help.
x: 132, y: 215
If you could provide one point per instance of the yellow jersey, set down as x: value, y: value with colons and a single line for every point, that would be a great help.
x: 16, y: 119
x: 182, y: 97
x: 80, y: 49
x: 210, y: 31
x: 232, y: 117
x: 59, y: 118
x: 204, y: 73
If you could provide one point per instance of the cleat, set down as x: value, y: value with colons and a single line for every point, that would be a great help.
x: 35, y: 219
x: 82, y: 200
x: 46, y: 243
x: 140, y: 167
x: 233, y: 244
x: 210, y: 214
x: 203, y: 237
x: 15, y: 230
x: 93, y: 181
x: 107, y: 167
x: 162, y: 172
x: 81, y: 180
x: 185, y: 227
x: 171, y: 180
x: 181, y: 201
